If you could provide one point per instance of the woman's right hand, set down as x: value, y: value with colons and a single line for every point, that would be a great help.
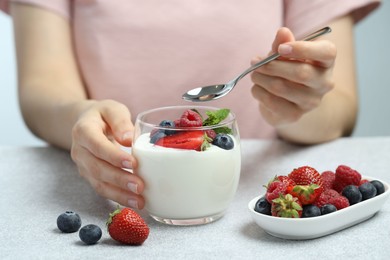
x: 96, y: 139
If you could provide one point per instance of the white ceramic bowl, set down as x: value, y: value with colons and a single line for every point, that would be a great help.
x: 309, y: 228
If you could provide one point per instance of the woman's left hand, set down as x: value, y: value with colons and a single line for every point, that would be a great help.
x: 294, y: 84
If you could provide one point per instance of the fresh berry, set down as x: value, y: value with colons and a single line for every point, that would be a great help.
x: 156, y: 136
x: 367, y: 190
x: 340, y: 202
x: 346, y: 176
x: 286, y: 206
x: 308, y: 184
x: 380, y: 188
x: 69, y: 222
x: 224, y: 141
x: 310, y: 211
x: 126, y: 226
x: 328, y: 208
x: 191, y: 118
x: 263, y: 206
x: 328, y: 178
x: 332, y: 197
x: 211, y: 133
x: 167, y: 124
x: 190, y: 140
x: 363, y: 181
x: 274, y: 190
x: 352, y: 193
x: 90, y: 234
x: 286, y: 180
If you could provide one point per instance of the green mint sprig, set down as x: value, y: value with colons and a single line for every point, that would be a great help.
x: 215, y: 117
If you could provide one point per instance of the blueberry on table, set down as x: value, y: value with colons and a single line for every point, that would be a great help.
x: 90, y: 234
x: 69, y: 222
x: 352, y: 193
x: 263, y: 206
x: 310, y: 211
x: 328, y: 208
x: 380, y: 188
x: 367, y: 190
x: 223, y: 141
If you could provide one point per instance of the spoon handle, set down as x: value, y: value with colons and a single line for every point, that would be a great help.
x: 276, y: 55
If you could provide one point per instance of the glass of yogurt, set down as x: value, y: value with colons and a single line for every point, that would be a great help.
x: 190, y: 160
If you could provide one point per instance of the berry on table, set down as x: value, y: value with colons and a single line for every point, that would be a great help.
x: 127, y: 227
x: 310, y: 211
x: 308, y: 184
x: 69, y: 222
x: 328, y: 208
x: 367, y: 190
x: 352, y: 193
x: 328, y: 178
x: 263, y: 206
x: 380, y: 188
x: 90, y: 234
x: 274, y: 190
x: 332, y: 197
x: 223, y: 141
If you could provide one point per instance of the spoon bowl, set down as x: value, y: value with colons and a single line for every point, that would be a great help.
x: 208, y: 93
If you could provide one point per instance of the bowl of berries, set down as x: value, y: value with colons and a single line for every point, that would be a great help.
x: 306, y: 204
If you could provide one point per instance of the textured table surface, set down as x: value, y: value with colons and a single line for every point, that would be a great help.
x: 39, y: 183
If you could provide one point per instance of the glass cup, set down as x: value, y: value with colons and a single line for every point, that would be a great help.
x: 184, y: 186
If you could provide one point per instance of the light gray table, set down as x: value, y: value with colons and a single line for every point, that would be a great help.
x: 39, y: 183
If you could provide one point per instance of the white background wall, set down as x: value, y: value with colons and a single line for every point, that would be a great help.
x: 373, y: 58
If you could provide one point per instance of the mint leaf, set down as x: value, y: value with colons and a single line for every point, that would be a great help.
x: 215, y: 117
x: 223, y: 130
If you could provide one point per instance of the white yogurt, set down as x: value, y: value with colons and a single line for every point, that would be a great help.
x: 187, y: 184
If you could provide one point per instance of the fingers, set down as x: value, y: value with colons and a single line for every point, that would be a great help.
x: 301, y: 73
x: 321, y: 53
x: 118, y: 117
x: 282, y: 35
x: 109, y: 181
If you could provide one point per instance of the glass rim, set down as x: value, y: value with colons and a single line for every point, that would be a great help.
x: 229, y: 120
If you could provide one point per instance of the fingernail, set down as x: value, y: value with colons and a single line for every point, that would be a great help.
x: 284, y: 49
x: 133, y: 187
x: 127, y: 135
x: 132, y: 203
x: 127, y: 164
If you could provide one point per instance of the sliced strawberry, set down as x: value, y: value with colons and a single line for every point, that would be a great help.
x: 189, y: 140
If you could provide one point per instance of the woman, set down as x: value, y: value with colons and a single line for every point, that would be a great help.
x: 87, y: 67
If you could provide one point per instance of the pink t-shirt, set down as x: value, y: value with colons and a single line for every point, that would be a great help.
x: 146, y: 54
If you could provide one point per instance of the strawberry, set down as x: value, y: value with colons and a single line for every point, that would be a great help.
x: 190, y: 140
x: 126, y: 226
x: 331, y: 196
x: 345, y: 176
x: 191, y: 118
x: 308, y: 184
x: 328, y: 178
x: 286, y: 206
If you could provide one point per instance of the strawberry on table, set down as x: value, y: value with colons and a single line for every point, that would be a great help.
x: 126, y: 226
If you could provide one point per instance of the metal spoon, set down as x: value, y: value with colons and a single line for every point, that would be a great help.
x: 209, y: 93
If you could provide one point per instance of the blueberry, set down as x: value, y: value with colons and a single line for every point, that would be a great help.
x: 309, y: 211
x: 167, y: 123
x: 157, y: 136
x: 90, y: 234
x: 367, y: 190
x: 328, y: 208
x: 352, y: 193
x: 263, y: 206
x: 223, y: 141
x: 69, y: 222
x: 380, y: 188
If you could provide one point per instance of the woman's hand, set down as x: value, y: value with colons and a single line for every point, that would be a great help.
x: 97, y: 136
x: 294, y: 84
